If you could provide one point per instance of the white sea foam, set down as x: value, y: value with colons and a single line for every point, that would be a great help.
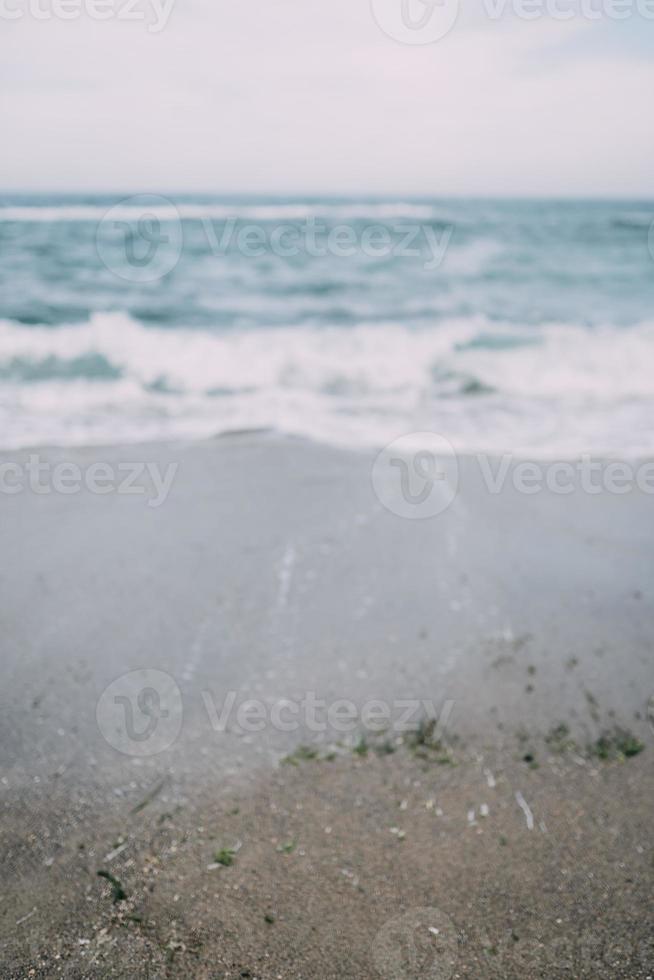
x: 125, y: 211
x: 560, y: 389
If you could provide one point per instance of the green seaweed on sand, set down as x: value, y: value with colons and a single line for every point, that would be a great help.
x: 303, y: 753
x: 424, y: 744
x: 118, y: 893
x: 385, y: 748
x: 423, y: 736
x: 149, y: 797
x: 225, y: 857
x: 593, y: 705
x: 558, y: 739
x: 617, y: 744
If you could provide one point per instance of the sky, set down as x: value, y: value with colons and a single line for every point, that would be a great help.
x: 295, y: 97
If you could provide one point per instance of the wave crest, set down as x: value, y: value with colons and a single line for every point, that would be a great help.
x: 546, y: 390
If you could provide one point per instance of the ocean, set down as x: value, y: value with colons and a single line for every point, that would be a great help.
x: 522, y: 326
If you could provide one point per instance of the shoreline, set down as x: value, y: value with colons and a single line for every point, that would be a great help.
x: 265, y: 433
x: 282, y: 571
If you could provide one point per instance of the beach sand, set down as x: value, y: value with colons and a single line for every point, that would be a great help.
x: 273, y: 571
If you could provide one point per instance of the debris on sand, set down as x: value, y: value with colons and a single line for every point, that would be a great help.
x: 524, y: 806
x: 118, y: 893
x: 303, y: 753
x: 149, y: 797
x: 116, y: 851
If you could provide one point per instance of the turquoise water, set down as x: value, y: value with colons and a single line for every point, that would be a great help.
x: 526, y: 326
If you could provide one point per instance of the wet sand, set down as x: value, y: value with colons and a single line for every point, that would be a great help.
x: 271, y: 571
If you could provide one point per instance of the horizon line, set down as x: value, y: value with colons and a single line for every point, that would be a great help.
x: 326, y: 195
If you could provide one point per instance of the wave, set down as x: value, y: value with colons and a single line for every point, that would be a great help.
x: 167, y: 211
x: 559, y: 388
x: 554, y: 360
x: 638, y: 220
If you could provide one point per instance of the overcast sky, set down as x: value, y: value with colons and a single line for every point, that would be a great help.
x: 297, y: 96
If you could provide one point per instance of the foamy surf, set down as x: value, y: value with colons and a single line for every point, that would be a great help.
x: 167, y: 210
x: 504, y: 325
x: 560, y: 389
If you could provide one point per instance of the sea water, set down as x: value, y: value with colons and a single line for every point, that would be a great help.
x: 525, y: 326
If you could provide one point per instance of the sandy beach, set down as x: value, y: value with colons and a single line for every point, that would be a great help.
x: 326, y: 491
x: 293, y: 637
